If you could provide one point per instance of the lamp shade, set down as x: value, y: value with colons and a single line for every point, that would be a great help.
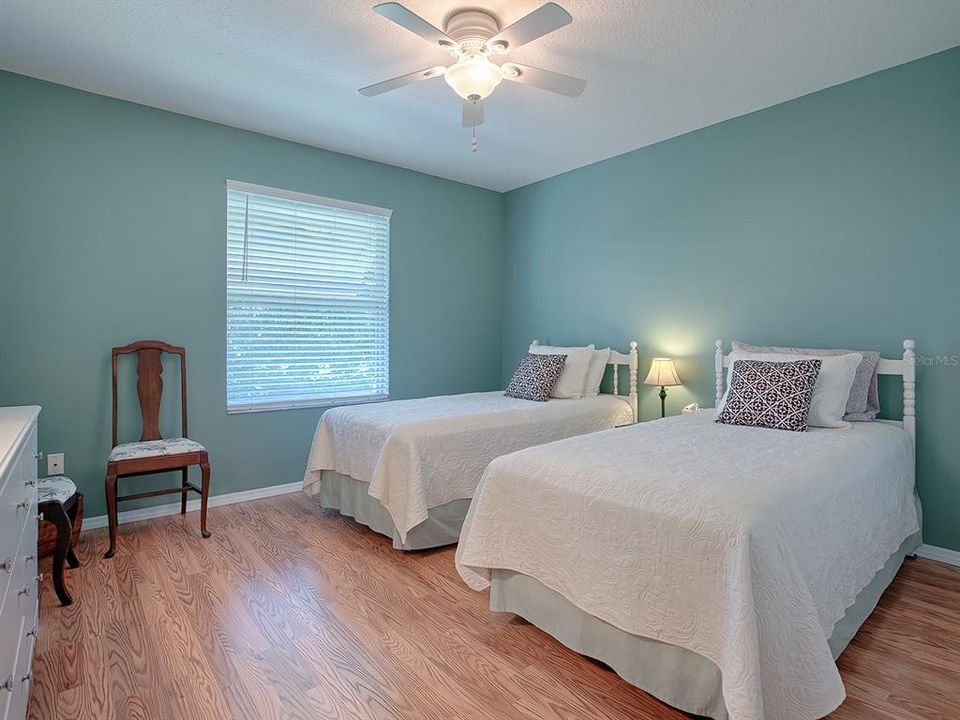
x: 662, y: 372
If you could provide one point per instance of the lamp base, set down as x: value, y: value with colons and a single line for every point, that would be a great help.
x: 663, y: 401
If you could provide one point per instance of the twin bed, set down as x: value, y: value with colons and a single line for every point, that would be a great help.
x: 408, y: 468
x: 720, y: 568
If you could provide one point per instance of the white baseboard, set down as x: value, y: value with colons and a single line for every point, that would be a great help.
x: 944, y: 555
x: 156, y: 511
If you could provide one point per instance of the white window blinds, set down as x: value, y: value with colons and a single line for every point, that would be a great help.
x: 307, y: 300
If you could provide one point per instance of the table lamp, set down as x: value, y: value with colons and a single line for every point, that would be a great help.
x: 662, y: 373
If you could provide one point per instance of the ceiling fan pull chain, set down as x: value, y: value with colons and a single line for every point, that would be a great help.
x: 474, y: 143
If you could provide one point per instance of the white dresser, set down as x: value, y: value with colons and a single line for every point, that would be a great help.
x: 18, y: 557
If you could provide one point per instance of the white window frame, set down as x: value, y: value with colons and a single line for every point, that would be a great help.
x: 319, y: 401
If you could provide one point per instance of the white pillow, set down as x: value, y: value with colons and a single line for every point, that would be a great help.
x: 598, y: 365
x: 830, y: 393
x: 571, y: 382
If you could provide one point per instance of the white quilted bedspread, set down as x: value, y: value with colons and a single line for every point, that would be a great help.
x: 744, y: 545
x: 423, y: 453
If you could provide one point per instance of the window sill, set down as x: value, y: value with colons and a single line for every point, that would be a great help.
x: 318, y: 403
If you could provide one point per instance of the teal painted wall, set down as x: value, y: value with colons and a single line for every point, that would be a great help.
x: 830, y: 220
x: 112, y: 228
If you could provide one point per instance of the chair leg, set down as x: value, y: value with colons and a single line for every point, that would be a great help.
x: 111, y: 489
x: 204, y: 495
x: 54, y: 512
x: 183, y: 496
x: 72, y: 559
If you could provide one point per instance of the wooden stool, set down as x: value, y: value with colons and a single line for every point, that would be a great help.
x: 62, y: 509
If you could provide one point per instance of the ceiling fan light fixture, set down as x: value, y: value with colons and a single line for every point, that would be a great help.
x: 473, y: 77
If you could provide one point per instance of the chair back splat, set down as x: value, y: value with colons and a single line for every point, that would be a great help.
x: 150, y: 385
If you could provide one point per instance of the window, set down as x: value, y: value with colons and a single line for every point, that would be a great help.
x: 307, y: 300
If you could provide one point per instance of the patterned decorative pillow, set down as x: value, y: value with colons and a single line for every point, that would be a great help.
x: 770, y: 394
x: 535, y: 377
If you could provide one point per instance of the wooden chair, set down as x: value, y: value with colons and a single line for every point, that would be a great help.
x: 152, y: 453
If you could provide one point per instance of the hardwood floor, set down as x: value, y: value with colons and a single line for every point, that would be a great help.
x: 290, y: 612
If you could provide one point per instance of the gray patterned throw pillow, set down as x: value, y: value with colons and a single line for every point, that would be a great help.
x: 773, y: 395
x: 535, y: 377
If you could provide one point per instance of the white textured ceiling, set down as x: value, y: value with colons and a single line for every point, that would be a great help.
x: 291, y: 68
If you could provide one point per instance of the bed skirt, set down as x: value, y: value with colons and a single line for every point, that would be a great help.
x: 349, y: 496
x: 677, y: 676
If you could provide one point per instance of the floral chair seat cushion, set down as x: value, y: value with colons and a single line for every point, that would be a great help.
x: 56, y: 488
x: 154, y: 448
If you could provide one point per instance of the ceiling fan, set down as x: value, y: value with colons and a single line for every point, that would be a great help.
x: 473, y: 38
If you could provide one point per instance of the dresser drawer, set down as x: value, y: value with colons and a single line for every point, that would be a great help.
x: 18, y: 557
x: 11, y: 633
x: 27, y: 577
x: 18, y: 504
x: 23, y: 676
x: 12, y: 702
x: 18, y: 633
x: 28, y: 480
x: 14, y: 509
x: 14, y: 575
x: 29, y: 607
x: 27, y: 554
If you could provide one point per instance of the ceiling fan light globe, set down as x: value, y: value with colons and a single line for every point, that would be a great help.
x: 473, y: 75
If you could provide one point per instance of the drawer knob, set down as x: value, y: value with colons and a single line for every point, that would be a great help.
x: 29, y: 558
x: 7, y: 684
x: 6, y: 565
x: 38, y: 456
x: 27, y: 677
x: 29, y: 483
x: 33, y: 632
x: 25, y: 503
x: 40, y: 517
x: 39, y: 578
x: 25, y: 590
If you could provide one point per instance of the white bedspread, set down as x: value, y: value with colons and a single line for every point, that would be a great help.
x: 744, y: 545
x: 423, y: 453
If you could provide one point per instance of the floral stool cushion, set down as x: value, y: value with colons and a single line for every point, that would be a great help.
x: 56, y: 488
x: 154, y: 448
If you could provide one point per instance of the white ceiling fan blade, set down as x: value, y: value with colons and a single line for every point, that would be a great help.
x: 544, y: 79
x: 545, y: 19
x: 472, y: 113
x: 397, y: 82
x: 414, y: 23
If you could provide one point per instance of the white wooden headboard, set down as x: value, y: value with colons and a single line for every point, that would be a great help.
x: 632, y: 361
x: 906, y: 368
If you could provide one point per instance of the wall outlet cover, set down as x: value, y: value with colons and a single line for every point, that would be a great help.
x: 55, y: 464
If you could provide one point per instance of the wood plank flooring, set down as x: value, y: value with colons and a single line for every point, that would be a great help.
x: 292, y: 612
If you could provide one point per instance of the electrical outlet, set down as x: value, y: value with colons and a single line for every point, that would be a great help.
x: 55, y: 464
